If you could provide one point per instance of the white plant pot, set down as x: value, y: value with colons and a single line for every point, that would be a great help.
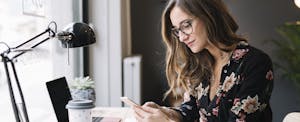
x: 86, y: 94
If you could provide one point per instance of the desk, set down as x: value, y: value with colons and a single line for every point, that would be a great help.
x: 125, y: 113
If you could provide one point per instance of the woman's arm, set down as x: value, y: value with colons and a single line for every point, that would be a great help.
x: 251, y: 102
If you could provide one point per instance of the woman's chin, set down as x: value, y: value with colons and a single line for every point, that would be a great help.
x: 195, y: 50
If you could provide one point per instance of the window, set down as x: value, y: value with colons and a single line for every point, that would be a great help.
x: 34, y: 68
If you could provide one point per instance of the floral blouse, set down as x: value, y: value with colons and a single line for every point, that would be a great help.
x: 242, y: 96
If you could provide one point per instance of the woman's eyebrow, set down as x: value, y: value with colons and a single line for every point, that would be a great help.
x: 183, y: 21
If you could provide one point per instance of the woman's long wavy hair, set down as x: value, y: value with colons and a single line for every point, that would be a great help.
x: 185, y: 69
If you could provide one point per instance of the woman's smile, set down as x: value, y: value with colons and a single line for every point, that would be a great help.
x: 190, y: 43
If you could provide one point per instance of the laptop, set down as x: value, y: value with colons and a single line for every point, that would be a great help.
x: 60, y: 95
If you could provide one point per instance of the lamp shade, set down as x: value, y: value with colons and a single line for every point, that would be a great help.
x: 76, y: 35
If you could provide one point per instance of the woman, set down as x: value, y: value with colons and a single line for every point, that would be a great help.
x: 224, y: 78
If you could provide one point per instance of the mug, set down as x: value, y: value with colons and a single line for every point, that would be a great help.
x: 80, y: 110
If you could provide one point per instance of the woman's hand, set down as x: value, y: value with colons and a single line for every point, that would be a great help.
x: 151, y: 112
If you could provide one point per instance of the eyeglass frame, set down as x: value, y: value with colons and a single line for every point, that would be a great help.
x: 181, y: 27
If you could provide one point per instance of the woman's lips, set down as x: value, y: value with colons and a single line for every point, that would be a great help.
x: 190, y: 43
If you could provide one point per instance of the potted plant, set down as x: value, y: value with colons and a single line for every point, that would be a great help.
x: 83, y: 88
x: 288, y: 51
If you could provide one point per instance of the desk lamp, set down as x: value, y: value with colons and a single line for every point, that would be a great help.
x: 74, y: 35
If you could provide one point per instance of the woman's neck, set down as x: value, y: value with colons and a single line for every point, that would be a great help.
x: 220, y: 56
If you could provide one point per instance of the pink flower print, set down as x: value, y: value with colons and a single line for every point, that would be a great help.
x: 215, y: 111
x: 218, y: 100
x: 186, y: 97
x: 198, y: 103
x: 202, y: 116
x: 236, y: 108
x: 269, y: 75
x: 229, y: 82
x: 201, y: 91
x: 219, y: 91
x: 236, y: 100
x: 241, y: 118
x: 203, y: 119
x: 239, y: 53
x: 250, y: 105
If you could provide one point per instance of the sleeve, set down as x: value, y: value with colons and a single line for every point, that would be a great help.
x: 251, y: 102
x: 189, y: 110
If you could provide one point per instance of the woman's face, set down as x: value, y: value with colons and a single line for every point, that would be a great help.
x: 189, y: 30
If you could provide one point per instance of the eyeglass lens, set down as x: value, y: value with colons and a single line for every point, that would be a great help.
x: 185, y: 27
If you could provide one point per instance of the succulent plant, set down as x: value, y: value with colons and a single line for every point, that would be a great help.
x: 82, y: 83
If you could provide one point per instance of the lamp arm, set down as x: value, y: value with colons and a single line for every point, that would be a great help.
x: 51, y: 34
x: 23, y: 104
x: 48, y: 30
x: 21, y: 53
x: 11, y: 91
x: 4, y: 55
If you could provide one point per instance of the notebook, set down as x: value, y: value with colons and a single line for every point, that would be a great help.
x: 60, y: 95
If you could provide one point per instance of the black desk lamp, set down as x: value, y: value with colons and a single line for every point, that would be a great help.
x: 74, y: 35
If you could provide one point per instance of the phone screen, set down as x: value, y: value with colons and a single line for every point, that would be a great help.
x: 128, y: 101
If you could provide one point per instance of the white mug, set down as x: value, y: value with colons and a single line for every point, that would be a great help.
x: 80, y: 110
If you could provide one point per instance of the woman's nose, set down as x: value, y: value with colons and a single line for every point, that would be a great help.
x: 182, y: 36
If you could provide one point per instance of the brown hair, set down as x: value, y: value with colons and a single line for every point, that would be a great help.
x: 184, y: 68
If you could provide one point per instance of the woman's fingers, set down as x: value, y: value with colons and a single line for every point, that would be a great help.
x: 165, y: 110
x: 151, y: 104
x: 151, y: 109
x: 147, y: 113
x: 141, y: 112
x: 138, y: 117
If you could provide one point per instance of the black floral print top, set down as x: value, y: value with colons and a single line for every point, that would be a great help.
x: 242, y: 96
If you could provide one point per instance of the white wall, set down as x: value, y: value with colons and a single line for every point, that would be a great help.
x: 61, y: 13
x: 106, y: 55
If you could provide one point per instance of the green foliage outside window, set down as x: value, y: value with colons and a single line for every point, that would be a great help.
x: 288, y: 51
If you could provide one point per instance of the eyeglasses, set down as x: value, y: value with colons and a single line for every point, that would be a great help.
x: 185, y: 27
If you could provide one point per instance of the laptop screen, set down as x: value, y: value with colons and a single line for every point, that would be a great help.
x: 60, y: 95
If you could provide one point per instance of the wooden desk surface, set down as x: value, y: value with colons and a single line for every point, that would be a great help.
x: 125, y: 113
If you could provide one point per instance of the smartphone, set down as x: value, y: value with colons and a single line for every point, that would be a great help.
x: 129, y: 101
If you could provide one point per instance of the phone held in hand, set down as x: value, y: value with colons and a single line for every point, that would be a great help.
x: 129, y: 102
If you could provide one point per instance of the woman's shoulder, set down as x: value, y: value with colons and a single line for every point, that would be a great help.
x: 254, y: 58
x: 257, y: 55
x: 250, y: 53
x: 248, y: 58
